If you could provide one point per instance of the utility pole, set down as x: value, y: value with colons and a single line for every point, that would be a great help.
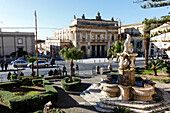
x: 36, y: 42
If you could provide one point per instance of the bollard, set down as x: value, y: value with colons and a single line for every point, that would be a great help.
x: 110, y: 67
x: 97, y: 69
x: 101, y: 70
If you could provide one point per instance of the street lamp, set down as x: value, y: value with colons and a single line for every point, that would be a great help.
x: 119, y: 27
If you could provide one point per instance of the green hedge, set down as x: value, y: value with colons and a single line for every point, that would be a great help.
x: 29, y: 102
x: 11, y: 84
x: 37, y: 82
x: 6, y: 96
x: 70, y: 85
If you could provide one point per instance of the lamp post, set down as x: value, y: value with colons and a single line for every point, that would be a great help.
x: 36, y: 41
x: 119, y: 27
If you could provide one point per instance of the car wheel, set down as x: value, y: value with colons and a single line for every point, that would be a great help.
x: 46, y: 65
x: 15, y: 66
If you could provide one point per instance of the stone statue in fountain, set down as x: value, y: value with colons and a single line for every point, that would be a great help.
x: 127, y: 46
x: 123, y: 58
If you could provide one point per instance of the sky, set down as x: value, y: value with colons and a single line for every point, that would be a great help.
x: 56, y: 14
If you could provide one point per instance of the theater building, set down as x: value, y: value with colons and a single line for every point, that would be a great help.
x: 93, y: 36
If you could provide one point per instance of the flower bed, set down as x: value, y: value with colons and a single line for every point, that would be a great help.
x: 30, y: 102
x: 70, y: 85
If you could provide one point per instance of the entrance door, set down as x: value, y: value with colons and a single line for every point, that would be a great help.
x: 83, y: 48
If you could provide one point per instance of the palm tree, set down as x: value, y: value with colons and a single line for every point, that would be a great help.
x: 71, y: 54
x: 156, y: 65
x: 121, y: 110
x: 32, y: 60
x: 116, y: 47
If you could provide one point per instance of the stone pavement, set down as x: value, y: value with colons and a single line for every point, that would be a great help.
x: 71, y: 102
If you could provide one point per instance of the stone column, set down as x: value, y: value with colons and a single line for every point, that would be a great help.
x: 104, y: 50
x: 86, y: 36
x: 100, y: 50
x: 95, y: 50
x: 125, y: 92
x: 95, y: 37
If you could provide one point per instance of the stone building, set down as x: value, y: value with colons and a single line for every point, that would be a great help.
x: 134, y: 30
x: 160, y: 44
x: 16, y: 41
x: 93, y: 36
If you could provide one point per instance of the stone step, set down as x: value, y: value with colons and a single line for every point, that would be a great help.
x: 93, y: 101
x: 155, y: 109
x: 134, y: 105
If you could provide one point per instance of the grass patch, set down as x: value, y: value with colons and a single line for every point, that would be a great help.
x: 161, y: 80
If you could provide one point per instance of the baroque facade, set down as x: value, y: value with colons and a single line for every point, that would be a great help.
x: 93, y: 36
x: 17, y: 41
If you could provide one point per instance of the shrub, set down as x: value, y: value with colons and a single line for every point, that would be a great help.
x: 29, y: 102
x: 7, y: 85
x: 6, y: 96
x: 49, y: 87
x: 37, y: 82
x: 70, y: 85
x: 26, y: 81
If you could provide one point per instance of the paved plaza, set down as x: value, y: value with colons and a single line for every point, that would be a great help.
x: 86, y: 66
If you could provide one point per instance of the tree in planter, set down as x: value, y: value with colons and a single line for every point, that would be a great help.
x: 156, y: 65
x: 32, y: 60
x: 71, y: 54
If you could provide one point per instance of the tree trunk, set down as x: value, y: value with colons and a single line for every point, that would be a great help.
x: 71, y: 70
x: 146, y: 45
x: 155, y: 72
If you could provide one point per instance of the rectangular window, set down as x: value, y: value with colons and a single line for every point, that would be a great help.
x: 20, y: 41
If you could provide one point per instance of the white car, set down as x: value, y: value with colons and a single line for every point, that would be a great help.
x: 41, y: 63
x: 20, y: 63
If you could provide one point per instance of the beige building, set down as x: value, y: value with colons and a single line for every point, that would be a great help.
x: 16, y: 41
x: 93, y: 36
x: 160, y: 44
x: 134, y: 30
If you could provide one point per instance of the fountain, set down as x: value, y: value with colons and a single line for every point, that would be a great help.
x: 125, y: 89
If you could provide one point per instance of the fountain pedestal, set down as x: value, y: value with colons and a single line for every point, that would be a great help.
x: 127, y: 68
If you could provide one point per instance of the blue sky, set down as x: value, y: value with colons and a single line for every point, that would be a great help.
x: 59, y: 13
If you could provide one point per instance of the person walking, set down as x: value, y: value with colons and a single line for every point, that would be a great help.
x: 64, y: 70
x: 2, y: 66
x: 77, y: 68
x: 6, y: 66
x: 9, y: 76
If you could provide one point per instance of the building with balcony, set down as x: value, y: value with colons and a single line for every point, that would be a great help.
x: 160, y: 43
x: 134, y: 30
x: 17, y: 41
x: 93, y: 36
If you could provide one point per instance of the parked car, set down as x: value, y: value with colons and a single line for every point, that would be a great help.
x: 41, y: 63
x: 164, y: 56
x: 19, y: 63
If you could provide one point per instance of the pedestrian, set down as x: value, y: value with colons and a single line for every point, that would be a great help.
x: 9, y: 76
x: 21, y: 74
x: 77, y: 68
x: 50, y: 73
x: 16, y: 75
x: 55, y: 72
x: 2, y: 66
x: 64, y: 70
x: 6, y: 66
x: 59, y: 71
